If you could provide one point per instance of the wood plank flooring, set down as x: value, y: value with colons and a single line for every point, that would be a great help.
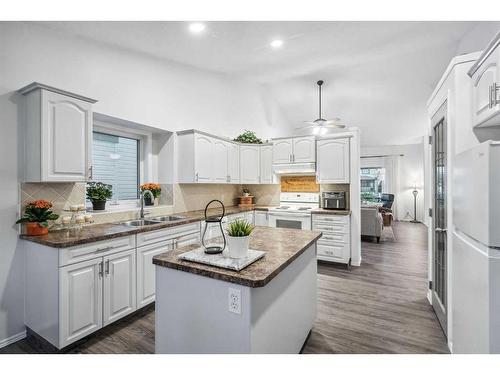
x: 380, y: 307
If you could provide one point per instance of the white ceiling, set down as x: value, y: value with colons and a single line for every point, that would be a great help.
x: 378, y: 75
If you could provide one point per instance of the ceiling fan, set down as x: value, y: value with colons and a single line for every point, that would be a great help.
x: 320, y: 125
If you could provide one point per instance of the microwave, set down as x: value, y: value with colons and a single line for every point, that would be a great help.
x: 334, y: 200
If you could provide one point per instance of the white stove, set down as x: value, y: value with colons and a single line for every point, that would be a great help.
x: 294, y: 210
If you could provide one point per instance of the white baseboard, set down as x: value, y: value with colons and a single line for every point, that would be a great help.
x: 12, y: 339
x: 429, y: 296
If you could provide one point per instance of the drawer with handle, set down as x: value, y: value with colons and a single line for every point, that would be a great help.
x: 337, y: 238
x: 326, y: 219
x: 336, y: 253
x: 148, y: 238
x: 97, y: 249
x: 331, y: 228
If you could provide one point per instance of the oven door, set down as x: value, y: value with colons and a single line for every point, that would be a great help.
x: 290, y: 220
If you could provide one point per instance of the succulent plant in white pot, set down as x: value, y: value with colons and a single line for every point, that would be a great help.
x: 238, y: 238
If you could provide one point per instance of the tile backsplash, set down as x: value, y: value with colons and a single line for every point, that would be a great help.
x: 62, y: 195
x: 174, y: 198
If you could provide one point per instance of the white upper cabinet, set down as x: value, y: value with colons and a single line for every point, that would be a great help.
x: 233, y: 163
x: 304, y: 150
x: 294, y: 150
x: 249, y: 164
x: 333, y: 161
x: 220, y: 161
x: 203, y: 158
x: 485, y: 74
x: 282, y: 151
x: 266, y: 164
x: 58, y: 135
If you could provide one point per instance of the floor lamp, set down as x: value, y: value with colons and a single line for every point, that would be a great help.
x: 415, y: 193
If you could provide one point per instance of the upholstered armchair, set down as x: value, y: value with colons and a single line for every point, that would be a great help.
x: 371, y: 222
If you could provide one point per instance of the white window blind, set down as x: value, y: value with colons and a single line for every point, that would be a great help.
x: 115, y: 161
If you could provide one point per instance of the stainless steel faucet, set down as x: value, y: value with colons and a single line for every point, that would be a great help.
x: 142, y: 192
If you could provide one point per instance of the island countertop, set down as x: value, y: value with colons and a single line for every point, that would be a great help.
x: 282, y: 246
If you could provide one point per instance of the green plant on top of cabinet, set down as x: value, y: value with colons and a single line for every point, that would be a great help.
x: 58, y: 135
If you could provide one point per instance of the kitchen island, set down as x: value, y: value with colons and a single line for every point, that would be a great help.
x: 274, y: 298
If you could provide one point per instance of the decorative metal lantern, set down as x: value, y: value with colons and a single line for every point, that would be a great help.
x: 212, y: 248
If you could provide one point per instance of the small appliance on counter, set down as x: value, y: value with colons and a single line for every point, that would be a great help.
x: 334, y: 200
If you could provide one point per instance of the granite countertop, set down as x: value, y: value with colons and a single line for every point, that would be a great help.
x: 100, y: 232
x: 331, y: 212
x: 281, y: 245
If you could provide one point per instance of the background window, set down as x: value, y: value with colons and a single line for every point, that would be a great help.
x: 115, y: 161
x: 372, y: 183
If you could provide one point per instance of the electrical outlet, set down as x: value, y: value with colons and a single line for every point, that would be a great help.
x: 234, y: 300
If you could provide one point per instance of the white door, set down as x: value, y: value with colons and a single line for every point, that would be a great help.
x: 249, y: 164
x: 203, y: 158
x: 220, y: 161
x: 282, y: 151
x: 483, y: 97
x: 80, y: 300
x: 66, y: 146
x: 261, y: 218
x: 233, y: 163
x: 333, y: 161
x: 266, y: 164
x: 119, y: 286
x: 146, y: 276
x: 304, y: 150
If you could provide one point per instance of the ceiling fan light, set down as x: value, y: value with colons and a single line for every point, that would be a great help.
x: 323, y: 131
x: 316, y: 130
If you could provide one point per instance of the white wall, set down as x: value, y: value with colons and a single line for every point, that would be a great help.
x: 409, y: 171
x: 128, y: 86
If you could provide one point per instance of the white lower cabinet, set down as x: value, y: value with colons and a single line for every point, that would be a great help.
x: 80, y: 304
x: 335, y: 244
x: 119, y: 286
x: 261, y: 218
x: 146, y: 283
x: 96, y: 293
x: 150, y: 244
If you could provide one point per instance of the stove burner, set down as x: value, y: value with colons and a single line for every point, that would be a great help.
x: 304, y: 208
x: 283, y: 207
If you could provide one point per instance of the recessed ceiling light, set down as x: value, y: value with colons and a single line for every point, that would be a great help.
x: 276, y: 43
x: 197, y: 27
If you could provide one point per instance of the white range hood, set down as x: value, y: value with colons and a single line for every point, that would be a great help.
x: 303, y: 169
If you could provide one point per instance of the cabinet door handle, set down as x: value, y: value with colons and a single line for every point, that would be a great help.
x: 104, y: 249
x: 490, y: 96
x: 91, y: 172
x: 100, y: 269
x: 107, y: 267
x: 494, y: 89
x: 196, y: 177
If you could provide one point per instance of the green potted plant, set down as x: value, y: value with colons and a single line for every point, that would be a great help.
x: 248, y: 137
x: 153, y: 188
x: 98, y: 193
x: 36, y: 216
x: 238, y: 238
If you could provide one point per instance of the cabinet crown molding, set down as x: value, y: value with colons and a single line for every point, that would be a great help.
x: 40, y: 86
x: 486, y: 52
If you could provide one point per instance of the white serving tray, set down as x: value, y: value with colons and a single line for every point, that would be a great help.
x: 222, y: 260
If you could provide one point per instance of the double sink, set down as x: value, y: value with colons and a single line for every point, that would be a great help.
x: 152, y: 221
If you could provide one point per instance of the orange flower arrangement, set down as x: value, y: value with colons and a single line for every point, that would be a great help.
x: 152, y: 187
x: 40, y: 204
x: 36, y: 215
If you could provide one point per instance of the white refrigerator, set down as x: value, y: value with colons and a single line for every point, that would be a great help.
x: 476, y: 250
